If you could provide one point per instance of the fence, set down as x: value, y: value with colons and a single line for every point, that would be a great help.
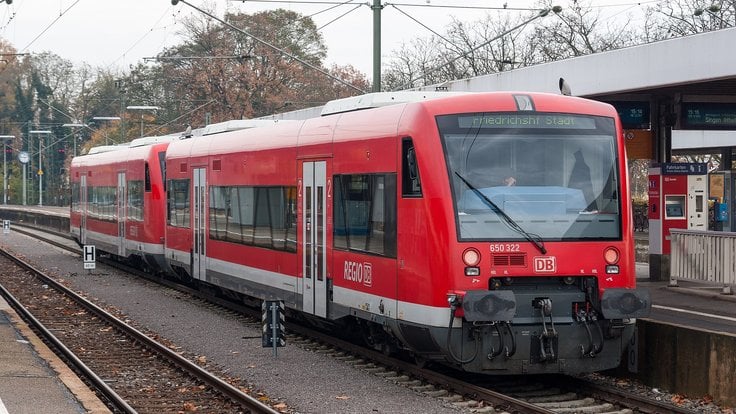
x: 704, y: 256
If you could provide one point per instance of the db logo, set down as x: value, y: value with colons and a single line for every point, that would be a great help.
x: 545, y: 264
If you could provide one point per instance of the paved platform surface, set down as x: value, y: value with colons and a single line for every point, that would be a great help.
x: 695, y: 305
x: 32, y: 379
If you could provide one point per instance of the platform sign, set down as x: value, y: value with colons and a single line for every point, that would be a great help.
x: 684, y: 168
x: 6, y: 226
x: 88, y: 254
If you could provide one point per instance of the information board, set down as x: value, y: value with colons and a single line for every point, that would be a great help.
x: 708, y: 115
x: 633, y: 114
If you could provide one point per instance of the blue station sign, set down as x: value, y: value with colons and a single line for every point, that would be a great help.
x: 684, y: 168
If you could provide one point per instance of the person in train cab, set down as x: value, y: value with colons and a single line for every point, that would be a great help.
x: 509, y: 181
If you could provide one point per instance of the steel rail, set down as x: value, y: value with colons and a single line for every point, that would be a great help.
x: 96, y: 381
x: 221, y: 386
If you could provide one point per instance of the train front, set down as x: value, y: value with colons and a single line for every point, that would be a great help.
x: 543, y: 272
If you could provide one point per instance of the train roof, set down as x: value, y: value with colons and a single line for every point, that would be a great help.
x: 351, y: 121
x: 238, y: 124
x: 139, y: 142
x: 107, y: 148
x: 379, y: 99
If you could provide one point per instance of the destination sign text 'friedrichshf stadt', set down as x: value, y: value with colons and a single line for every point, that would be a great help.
x: 526, y: 121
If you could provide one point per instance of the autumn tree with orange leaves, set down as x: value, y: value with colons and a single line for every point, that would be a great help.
x: 219, y: 73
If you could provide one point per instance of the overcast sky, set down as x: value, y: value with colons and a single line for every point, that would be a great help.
x: 117, y: 33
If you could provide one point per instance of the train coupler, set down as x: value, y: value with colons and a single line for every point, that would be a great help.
x: 548, y: 337
x: 502, y: 347
x: 587, y: 318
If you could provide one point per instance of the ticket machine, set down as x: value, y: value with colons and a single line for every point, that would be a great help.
x: 678, y: 199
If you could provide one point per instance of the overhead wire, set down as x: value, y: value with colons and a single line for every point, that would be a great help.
x: 10, y: 19
x: 336, y: 5
x: 271, y: 46
x: 50, y: 25
x: 541, y: 13
x: 142, y: 37
x: 457, y: 49
x: 339, y: 17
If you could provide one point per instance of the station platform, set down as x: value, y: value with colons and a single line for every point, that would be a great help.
x: 32, y: 378
x: 693, y: 305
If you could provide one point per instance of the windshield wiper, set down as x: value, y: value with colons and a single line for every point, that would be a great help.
x: 513, y: 225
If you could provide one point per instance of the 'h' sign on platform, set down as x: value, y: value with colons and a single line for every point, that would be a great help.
x: 89, y: 256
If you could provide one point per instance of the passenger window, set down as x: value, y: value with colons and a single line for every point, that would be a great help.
x: 365, y: 213
x: 411, y: 185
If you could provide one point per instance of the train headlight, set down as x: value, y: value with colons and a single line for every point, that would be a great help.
x: 471, y: 257
x: 611, y: 255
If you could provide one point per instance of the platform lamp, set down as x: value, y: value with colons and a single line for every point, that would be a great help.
x: 7, y: 139
x: 142, y: 108
x: 40, y: 133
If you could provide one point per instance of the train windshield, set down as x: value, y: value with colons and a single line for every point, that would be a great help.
x: 541, y: 176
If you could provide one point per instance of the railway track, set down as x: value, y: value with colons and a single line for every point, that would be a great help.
x: 478, y: 394
x: 132, y: 372
x: 533, y: 394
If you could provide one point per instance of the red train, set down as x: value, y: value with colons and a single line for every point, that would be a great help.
x: 491, y: 232
x: 116, y: 190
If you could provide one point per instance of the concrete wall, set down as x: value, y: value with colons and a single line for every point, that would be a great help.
x: 56, y: 223
x: 690, y: 362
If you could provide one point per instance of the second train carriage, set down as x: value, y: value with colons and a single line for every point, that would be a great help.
x: 487, y: 231
x: 118, y: 200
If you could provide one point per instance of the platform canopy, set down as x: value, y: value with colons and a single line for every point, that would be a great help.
x: 673, y: 80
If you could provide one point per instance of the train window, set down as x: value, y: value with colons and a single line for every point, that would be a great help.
x: 135, y: 199
x: 255, y: 216
x: 178, y: 203
x: 102, y: 203
x: 76, y: 206
x: 148, y: 178
x: 365, y: 213
x: 162, y: 165
x: 411, y: 185
x: 564, y: 167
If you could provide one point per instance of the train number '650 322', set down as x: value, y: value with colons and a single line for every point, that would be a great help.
x: 505, y: 247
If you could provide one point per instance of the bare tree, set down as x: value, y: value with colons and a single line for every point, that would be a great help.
x: 501, y: 41
x: 676, y: 18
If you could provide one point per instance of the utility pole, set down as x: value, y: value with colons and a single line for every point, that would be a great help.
x: 377, y: 7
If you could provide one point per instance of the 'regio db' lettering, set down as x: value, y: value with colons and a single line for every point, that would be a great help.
x: 357, y: 272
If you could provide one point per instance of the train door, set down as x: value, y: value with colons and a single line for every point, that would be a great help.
x: 83, y: 208
x: 199, y: 220
x: 121, y: 213
x: 314, y: 231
